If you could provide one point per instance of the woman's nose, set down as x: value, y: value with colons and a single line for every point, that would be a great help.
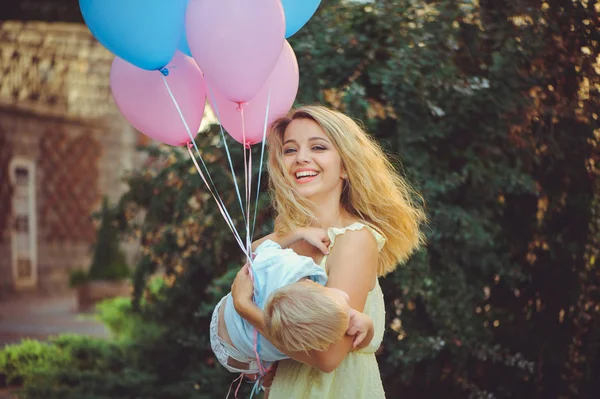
x: 302, y: 156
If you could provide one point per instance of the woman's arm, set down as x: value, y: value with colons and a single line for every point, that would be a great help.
x: 352, y: 268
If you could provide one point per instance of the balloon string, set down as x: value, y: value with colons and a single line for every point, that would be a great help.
x: 219, y: 203
x: 240, y: 378
x: 247, y: 178
x: 234, y: 177
x: 249, y: 199
x: 215, y: 194
x: 257, y: 300
x: 262, y: 152
x: 253, y: 277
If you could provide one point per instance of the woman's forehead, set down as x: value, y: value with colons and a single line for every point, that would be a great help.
x: 303, y: 129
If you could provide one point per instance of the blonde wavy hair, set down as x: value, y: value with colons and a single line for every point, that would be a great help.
x: 374, y: 192
x: 300, y: 317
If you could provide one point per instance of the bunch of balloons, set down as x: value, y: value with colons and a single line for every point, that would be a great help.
x: 173, y: 54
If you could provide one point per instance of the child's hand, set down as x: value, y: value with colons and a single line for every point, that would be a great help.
x: 360, y: 326
x: 315, y: 236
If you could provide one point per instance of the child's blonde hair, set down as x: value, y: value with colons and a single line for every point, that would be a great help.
x: 300, y: 317
x: 374, y: 192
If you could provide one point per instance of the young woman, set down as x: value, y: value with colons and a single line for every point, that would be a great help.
x: 328, y: 177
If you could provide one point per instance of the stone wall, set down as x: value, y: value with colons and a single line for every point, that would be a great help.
x: 76, y: 166
x: 56, y: 110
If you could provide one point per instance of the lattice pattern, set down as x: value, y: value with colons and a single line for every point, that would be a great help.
x: 70, y: 186
x: 6, y: 188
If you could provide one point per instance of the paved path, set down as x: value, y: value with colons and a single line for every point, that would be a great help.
x: 40, y: 317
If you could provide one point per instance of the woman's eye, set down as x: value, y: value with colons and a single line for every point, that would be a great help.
x: 289, y: 150
x: 318, y: 148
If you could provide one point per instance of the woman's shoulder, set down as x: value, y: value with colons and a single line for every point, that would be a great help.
x: 360, y: 231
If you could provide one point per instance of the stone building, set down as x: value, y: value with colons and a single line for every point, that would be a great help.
x: 63, y: 146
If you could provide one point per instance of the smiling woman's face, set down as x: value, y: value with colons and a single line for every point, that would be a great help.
x: 311, y: 160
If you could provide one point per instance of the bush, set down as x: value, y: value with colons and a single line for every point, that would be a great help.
x: 77, y: 367
x: 108, y: 261
x: 77, y: 277
x: 59, y: 368
x: 18, y: 363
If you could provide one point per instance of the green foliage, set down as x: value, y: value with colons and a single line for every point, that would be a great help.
x: 19, y: 362
x: 108, y: 260
x: 68, y: 366
x: 117, y: 315
x: 76, y: 367
x: 77, y: 277
x: 482, y: 104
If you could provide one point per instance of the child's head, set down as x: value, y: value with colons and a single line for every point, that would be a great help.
x: 306, y: 316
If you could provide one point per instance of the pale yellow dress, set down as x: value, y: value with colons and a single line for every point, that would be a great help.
x: 357, y: 377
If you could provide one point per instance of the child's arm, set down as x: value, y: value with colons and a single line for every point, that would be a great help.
x: 313, y: 235
x: 361, y: 327
x: 283, y: 240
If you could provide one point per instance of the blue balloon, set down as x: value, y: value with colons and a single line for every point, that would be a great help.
x: 144, y: 33
x: 184, y: 46
x: 297, y: 14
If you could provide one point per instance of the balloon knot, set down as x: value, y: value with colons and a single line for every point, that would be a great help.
x: 247, y: 146
x: 189, y: 145
x: 164, y: 71
x: 240, y: 105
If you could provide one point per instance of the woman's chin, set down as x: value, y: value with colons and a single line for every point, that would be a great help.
x: 316, y: 194
x: 306, y: 194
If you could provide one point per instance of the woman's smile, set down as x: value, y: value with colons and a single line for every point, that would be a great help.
x: 305, y: 175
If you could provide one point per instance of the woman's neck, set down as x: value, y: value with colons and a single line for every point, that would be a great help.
x: 330, y: 213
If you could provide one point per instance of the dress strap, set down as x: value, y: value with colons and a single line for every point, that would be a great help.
x: 333, y: 232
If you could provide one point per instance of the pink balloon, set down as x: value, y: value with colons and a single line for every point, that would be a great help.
x: 236, y: 43
x: 144, y: 100
x: 283, y: 84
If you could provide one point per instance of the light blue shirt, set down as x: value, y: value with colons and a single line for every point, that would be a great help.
x: 273, y: 268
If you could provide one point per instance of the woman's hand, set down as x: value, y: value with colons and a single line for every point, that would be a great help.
x: 316, y: 237
x: 242, y: 289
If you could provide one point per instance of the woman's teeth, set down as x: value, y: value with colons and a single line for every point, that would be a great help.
x: 305, y: 174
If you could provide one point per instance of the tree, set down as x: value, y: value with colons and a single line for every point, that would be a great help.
x: 489, y: 107
x: 108, y: 260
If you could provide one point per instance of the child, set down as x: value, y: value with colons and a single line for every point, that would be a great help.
x: 301, y: 313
